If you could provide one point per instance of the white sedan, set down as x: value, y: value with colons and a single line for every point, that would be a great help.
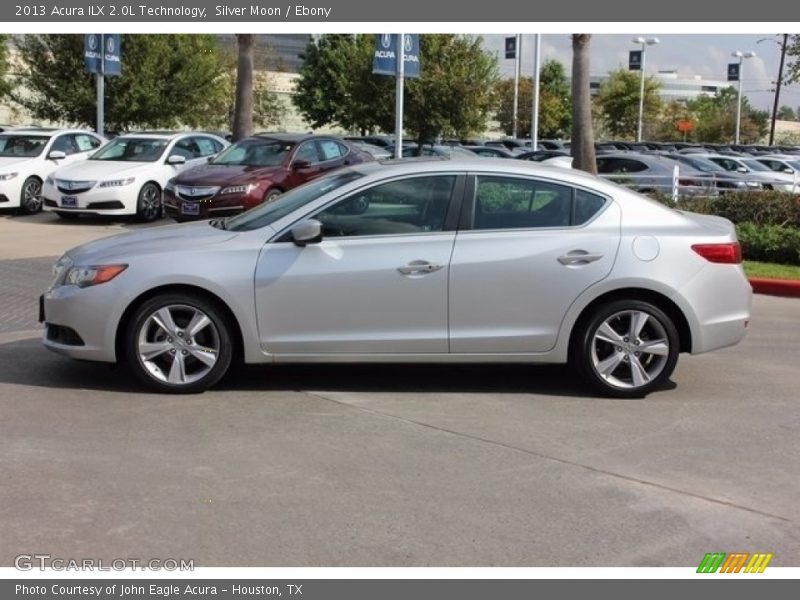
x: 127, y: 176
x: 29, y: 155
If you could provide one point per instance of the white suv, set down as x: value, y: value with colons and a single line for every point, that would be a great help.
x: 127, y: 176
x: 29, y: 155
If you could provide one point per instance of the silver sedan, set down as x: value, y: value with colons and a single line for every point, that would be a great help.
x: 418, y: 261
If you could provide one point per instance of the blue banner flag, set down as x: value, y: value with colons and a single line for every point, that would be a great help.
x: 384, y: 60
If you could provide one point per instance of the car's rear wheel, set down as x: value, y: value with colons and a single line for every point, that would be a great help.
x: 30, y: 197
x: 627, y: 349
x: 179, y: 343
x: 148, y: 204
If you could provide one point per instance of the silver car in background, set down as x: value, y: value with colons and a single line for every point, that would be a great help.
x: 414, y: 261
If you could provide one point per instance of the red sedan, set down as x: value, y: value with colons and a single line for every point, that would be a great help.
x: 255, y: 170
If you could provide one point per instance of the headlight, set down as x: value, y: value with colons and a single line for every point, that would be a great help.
x: 59, y: 269
x: 117, y: 182
x: 49, y: 180
x: 238, y: 189
x: 7, y: 176
x: 93, y: 274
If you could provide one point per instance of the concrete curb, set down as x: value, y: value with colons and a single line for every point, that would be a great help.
x: 776, y: 287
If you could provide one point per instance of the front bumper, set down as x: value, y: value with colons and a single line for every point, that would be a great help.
x: 81, y: 322
x: 207, y: 208
x: 99, y: 201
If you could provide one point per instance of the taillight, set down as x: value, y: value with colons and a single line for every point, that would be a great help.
x: 730, y: 253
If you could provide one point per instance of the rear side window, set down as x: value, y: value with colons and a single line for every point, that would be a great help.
x: 330, y: 150
x: 511, y: 203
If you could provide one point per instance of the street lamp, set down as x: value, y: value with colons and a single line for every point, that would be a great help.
x: 741, y: 56
x: 644, y: 42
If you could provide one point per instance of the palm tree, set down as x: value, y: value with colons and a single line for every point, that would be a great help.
x: 582, y: 135
x: 243, y: 108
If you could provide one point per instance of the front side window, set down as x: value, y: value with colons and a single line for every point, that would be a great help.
x: 206, y: 146
x: 510, y: 203
x: 406, y: 206
x: 308, y: 152
x: 132, y: 150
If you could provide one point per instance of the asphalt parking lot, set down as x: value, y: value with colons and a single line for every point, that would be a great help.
x: 391, y: 465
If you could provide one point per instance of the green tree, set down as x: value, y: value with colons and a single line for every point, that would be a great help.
x: 454, y: 95
x: 618, y: 102
x: 786, y: 113
x: 554, y: 102
x: 167, y: 81
x: 5, y: 84
x: 715, y: 118
x: 337, y: 86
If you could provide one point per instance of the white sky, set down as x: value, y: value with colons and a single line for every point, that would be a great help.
x: 691, y: 54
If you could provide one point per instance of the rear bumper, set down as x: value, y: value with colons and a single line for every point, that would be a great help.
x: 721, y: 299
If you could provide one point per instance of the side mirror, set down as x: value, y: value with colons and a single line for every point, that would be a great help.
x: 307, y: 232
x: 301, y: 164
x: 788, y: 170
x: 741, y: 169
x: 57, y: 155
x: 175, y: 159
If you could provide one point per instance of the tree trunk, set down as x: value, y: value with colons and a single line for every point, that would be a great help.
x: 243, y: 107
x: 582, y: 139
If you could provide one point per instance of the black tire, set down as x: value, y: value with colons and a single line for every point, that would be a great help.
x: 67, y: 216
x: 271, y: 194
x: 149, y: 204
x: 594, y: 352
x: 198, y: 376
x: 30, y: 197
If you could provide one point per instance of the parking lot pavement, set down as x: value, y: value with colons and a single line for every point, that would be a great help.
x: 45, y: 234
x: 406, y: 465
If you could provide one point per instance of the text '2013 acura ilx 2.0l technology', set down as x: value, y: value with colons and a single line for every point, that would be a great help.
x: 414, y: 261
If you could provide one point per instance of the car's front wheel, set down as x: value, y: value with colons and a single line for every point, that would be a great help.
x: 179, y: 343
x: 148, y: 203
x: 627, y: 348
x: 30, y: 200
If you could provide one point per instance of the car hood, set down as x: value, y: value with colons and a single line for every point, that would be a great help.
x: 221, y: 175
x: 156, y: 240
x: 101, y: 169
x: 7, y: 162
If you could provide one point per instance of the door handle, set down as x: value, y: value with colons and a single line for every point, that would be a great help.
x: 419, y: 267
x: 579, y: 257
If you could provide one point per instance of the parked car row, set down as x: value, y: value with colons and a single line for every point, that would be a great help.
x: 200, y: 175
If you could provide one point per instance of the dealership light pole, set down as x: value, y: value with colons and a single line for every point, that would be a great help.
x: 537, y: 50
x: 644, y: 42
x: 517, y: 62
x: 741, y: 56
x: 398, y: 96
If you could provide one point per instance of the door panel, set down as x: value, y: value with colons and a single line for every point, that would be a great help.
x: 510, y: 288
x: 348, y: 295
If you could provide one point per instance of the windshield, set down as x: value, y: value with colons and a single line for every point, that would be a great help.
x: 22, y: 146
x: 255, y: 153
x: 458, y: 151
x: 754, y: 164
x: 795, y: 164
x: 269, y: 212
x: 130, y: 149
